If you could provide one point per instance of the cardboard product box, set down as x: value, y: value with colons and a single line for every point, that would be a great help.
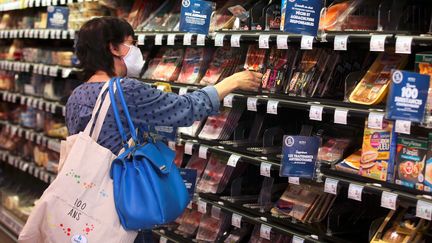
x: 410, y: 161
x: 423, y: 65
x: 428, y: 168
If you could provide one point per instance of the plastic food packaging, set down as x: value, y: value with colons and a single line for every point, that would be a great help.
x: 190, y: 223
x: 197, y: 163
x: 424, y: 66
x: 212, y: 180
x: 55, y: 127
x: 350, y: 164
x: 28, y: 118
x: 255, y: 59
x: 373, y: 87
x: 225, y: 59
x: 40, y: 154
x: 194, y: 65
x: 333, y: 149
x: 275, y: 74
x: 192, y: 130
x: 169, y: 67
x: 212, y: 226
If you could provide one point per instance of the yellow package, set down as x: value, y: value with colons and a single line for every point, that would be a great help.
x: 373, y: 87
x: 375, y: 155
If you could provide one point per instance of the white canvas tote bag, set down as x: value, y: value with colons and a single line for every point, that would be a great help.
x: 78, y: 206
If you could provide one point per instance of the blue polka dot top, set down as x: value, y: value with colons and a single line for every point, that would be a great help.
x: 147, y: 106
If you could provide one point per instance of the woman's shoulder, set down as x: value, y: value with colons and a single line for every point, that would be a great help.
x: 86, y: 93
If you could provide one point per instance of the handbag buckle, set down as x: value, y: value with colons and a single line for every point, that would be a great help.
x: 162, y: 168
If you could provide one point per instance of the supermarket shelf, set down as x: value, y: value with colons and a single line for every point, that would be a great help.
x: 37, y: 68
x: 28, y: 167
x: 47, y: 34
x: 262, y: 221
x: 171, y: 236
x: 37, y: 103
x: 11, y: 222
x: 24, y: 4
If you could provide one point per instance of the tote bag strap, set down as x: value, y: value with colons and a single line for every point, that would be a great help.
x: 116, y: 83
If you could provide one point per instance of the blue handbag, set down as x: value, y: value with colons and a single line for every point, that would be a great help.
x: 148, y: 188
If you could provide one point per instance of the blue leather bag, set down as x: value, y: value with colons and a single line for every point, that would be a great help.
x: 148, y: 188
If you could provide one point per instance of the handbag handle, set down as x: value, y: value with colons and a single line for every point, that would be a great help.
x: 125, y: 111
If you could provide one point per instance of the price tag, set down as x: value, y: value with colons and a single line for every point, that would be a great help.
x: 215, y: 212
x: 375, y: 120
x: 202, y: 152
x: 46, y: 70
x: 265, y: 169
x: 187, y: 39
x: 58, y: 34
x: 219, y: 39
x: 355, y: 192
x: 294, y: 180
x: 252, y: 104
x: 297, y: 239
x: 236, y: 220
x: 403, y: 127
x: 64, y: 34
x: 272, y: 107
x: 141, y: 39
x: 161, y: 87
x: 163, y: 240
x: 341, y: 116
x: 233, y: 159
x: 38, y: 139
x: 188, y: 148
x: 403, y: 44
x: 306, y: 42
x: 340, y: 42
x: 53, y: 71
x: 66, y: 72
x: 228, y: 100
x: 201, y: 40
x: 265, y: 231
x: 172, y: 145
x: 158, y: 39
x: 53, y: 108
x: 54, y: 145
x: 183, y: 91
x: 388, y: 200
x: 27, y: 67
x: 47, y: 34
x: 41, y: 105
x: 72, y: 34
x: 330, y: 186
x: 263, y: 41
x: 282, y: 41
x: 424, y: 210
x: 44, y: 3
x: 377, y: 43
x: 64, y: 110
x: 171, y: 39
x: 52, y: 34
x: 315, y: 113
x: 235, y: 40
x: 54, y: 2
x: 202, y: 207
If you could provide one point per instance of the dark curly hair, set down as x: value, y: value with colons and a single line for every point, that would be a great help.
x: 92, y: 46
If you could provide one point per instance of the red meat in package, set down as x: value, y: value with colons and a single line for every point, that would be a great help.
x: 274, y: 74
x: 224, y: 58
x: 169, y: 67
x: 194, y: 64
x: 255, y: 59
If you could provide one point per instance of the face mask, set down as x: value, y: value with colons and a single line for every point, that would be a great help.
x: 134, y: 61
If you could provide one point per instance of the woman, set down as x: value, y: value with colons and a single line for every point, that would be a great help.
x: 105, y: 49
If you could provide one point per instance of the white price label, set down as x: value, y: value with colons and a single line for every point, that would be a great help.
x: 215, y: 212
x: 202, y: 152
x: 263, y: 41
x: 53, y: 71
x: 306, y: 42
x: 202, y: 207
x: 58, y: 34
x: 265, y: 169
x: 282, y: 41
x: 355, y: 192
x: 403, y: 127
x: 163, y: 240
x: 171, y: 39
x: 272, y: 107
x: 66, y: 72
x: 252, y: 104
x: 41, y: 105
x: 265, y: 231
x: 158, y: 39
x: 375, y: 120
x: 172, y: 145
x: 236, y: 220
x: 183, y: 91
x: 187, y: 39
x: 294, y: 180
x: 341, y: 116
x: 141, y: 39
x: 377, y: 43
x: 72, y: 34
x: 403, y: 44
x: 315, y: 113
x: 46, y: 34
x: 341, y: 42
x: 235, y: 40
x: 219, y: 39
x: 330, y: 186
x: 46, y: 70
x: 228, y: 100
x: 64, y: 34
x: 188, y: 148
x: 161, y: 87
x: 53, y: 108
x: 201, y: 40
x: 297, y: 239
x: 233, y: 159
x: 424, y: 210
x: 64, y: 110
x: 54, y: 145
x: 388, y: 200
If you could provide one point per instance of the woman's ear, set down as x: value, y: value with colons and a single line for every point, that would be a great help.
x: 115, y: 50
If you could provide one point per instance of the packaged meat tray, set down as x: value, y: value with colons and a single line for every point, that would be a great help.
x: 255, y: 59
x: 222, y: 64
x: 169, y: 67
x: 194, y: 65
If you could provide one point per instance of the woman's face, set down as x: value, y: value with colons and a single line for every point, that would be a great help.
x: 119, y: 53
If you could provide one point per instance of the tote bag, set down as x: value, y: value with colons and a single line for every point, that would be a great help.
x: 79, y: 205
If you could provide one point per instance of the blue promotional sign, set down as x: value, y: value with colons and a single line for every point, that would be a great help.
x: 57, y: 17
x: 299, y: 156
x: 301, y: 16
x: 189, y: 178
x: 408, y: 96
x: 195, y: 16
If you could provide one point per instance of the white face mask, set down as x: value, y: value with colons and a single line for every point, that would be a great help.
x: 134, y: 61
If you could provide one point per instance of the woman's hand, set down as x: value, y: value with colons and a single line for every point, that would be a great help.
x: 245, y: 80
